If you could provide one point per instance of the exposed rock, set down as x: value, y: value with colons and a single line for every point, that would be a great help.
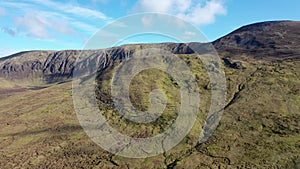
x: 56, y: 66
x: 235, y: 65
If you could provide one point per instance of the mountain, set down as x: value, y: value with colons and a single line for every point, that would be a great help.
x: 259, y: 128
x: 56, y: 66
x: 274, y: 40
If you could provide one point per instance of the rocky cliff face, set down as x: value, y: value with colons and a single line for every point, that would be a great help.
x: 56, y: 66
x: 50, y: 66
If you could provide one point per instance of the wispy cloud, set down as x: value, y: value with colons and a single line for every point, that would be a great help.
x: 119, y: 24
x: 147, y: 21
x: 84, y: 12
x: 34, y: 25
x: 189, y: 33
x: 46, y: 19
x: 71, y: 9
x: 41, y: 27
x: 2, y: 11
x: 9, y: 31
x: 198, y: 13
x: 83, y: 26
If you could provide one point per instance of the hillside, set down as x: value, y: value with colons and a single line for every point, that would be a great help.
x: 274, y: 40
x: 259, y: 129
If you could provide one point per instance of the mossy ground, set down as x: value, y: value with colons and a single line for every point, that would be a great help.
x: 259, y: 129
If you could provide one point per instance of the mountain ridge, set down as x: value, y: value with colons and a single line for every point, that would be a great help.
x: 274, y: 40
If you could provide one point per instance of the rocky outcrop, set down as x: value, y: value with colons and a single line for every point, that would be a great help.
x: 235, y: 65
x: 49, y: 66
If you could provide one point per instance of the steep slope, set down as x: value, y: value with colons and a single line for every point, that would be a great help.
x: 38, y: 66
x: 57, y: 66
x: 266, y: 40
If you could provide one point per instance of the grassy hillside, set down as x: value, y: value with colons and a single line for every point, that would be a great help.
x: 259, y: 129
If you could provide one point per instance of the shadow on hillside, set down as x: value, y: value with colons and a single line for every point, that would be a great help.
x: 54, y: 130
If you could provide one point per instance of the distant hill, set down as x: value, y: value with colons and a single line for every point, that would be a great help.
x: 275, y: 39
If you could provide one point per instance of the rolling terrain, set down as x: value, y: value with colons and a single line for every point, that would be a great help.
x: 260, y: 127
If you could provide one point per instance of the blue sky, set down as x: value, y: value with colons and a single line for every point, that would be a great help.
x: 68, y: 24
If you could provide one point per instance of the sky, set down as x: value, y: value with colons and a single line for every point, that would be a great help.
x: 68, y: 24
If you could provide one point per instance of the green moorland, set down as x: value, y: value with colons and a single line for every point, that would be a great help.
x: 259, y: 128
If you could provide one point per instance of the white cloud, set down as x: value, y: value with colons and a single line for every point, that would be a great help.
x: 163, y: 6
x: 36, y: 26
x: 198, y: 13
x: 203, y: 15
x: 2, y: 11
x: 40, y: 27
x: 183, y: 5
x: 85, y: 12
x: 7, y: 52
x: 147, y: 21
x: 84, y: 26
x: 119, y: 24
x: 31, y: 20
x: 56, y: 6
x: 71, y: 9
x: 190, y: 33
